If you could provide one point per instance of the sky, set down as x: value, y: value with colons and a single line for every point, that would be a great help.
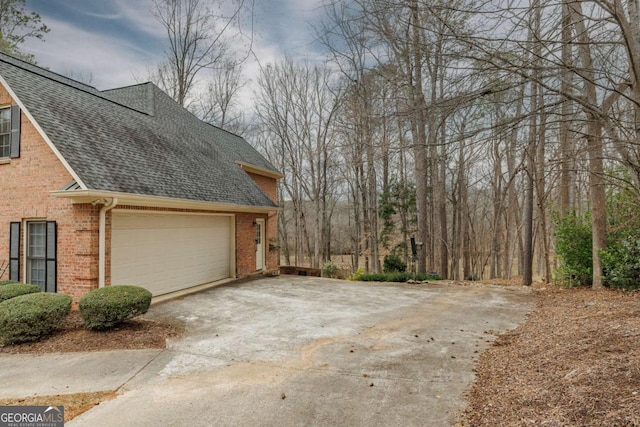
x: 115, y: 43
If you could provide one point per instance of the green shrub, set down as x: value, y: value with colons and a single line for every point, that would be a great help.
x: 15, y: 289
x: 329, y: 269
x: 373, y: 277
x: 357, y: 275
x: 427, y: 276
x: 573, y: 246
x: 104, y: 308
x: 396, y: 276
x: 621, y: 263
x: 7, y: 282
x: 30, y: 317
x: 393, y: 263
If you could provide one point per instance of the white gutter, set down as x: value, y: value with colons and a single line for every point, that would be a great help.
x: 129, y: 199
x: 102, y: 239
x: 247, y: 167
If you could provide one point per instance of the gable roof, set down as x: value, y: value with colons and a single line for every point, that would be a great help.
x: 136, y: 140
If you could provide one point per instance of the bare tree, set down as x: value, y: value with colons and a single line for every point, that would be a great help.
x: 297, y: 106
x: 197, y: 41
x: 83, y: 76
x: 219, y: 104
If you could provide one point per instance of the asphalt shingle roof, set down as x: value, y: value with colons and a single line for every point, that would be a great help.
x: 136, y: 139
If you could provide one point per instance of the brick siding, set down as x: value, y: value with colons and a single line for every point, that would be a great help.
x: 270, y: 187
x: 27, y: 182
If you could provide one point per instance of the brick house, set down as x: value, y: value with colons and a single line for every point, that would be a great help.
x: 124, y: 186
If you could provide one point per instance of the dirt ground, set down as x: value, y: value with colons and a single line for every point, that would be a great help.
x: 575, y: 362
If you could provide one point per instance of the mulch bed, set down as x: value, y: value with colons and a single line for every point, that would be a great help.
x: 575, y: 362
x: 132, y: 334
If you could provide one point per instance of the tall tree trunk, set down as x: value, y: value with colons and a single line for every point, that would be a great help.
x: 527, y: 276
x: 527, y: 272
x: 566, y: 136
x: 419, y: 136
x: 594, y: 146
x: 543, y: 240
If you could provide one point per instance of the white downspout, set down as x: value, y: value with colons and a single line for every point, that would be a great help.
x: 102, y: 238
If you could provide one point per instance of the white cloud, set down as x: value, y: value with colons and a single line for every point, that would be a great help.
x: 280, y: 29
x: 111, y: 61
x: 138, y: 13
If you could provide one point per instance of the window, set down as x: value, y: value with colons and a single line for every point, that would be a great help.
x: 36, y: 253
x: 5, y: 132
x: 40, y: 254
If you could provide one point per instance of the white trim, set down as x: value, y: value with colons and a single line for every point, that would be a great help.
x: 143, y: 212
x: 25, y: 238
x: 128, y: 199
x: 263, y: 234
x: 232, y: 248
x: 247, y: 167
x: 102, y: 241
x: 44, y: 136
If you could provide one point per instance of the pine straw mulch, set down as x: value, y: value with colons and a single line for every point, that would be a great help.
x: 574, y: 362
x: 132, y: 334
x: 138, y: 333
x: 74, y: 404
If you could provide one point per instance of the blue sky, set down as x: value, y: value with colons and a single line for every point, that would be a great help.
x: 118, y: 41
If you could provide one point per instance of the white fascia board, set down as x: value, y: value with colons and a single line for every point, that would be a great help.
x: 128, y: 199
x: 42, y: 133
x: 259, y: 171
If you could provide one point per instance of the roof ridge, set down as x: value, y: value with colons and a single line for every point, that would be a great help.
x: 223, y: 129
x: 59, y: 78
x: 149, y: 97
x: 127, y: 86
x: 25, y: 65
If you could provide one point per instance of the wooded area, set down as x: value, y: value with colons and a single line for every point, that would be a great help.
x: 478, y: 127
x: 503, y: 135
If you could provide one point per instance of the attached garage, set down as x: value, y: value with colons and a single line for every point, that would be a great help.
x: 169, y: 252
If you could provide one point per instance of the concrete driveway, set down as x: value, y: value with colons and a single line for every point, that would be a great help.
x: 293, y: 351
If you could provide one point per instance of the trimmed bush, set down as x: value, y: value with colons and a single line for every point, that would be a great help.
x: 7, y: 282
x: 30, y: 317
x: 104, y: 308
x: 15, y: 289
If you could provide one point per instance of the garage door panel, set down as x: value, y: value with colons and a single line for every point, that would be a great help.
x: 165, y: 253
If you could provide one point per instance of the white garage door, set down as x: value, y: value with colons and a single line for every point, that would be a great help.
x: 166, y: 253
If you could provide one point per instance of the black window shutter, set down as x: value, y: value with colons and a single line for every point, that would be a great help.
x: 51, y: 271
x: 14, y: 251
x: 15, y: 132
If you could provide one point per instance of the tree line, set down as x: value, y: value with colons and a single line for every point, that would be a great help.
x: 491, y: 132
x: 475, y: 126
